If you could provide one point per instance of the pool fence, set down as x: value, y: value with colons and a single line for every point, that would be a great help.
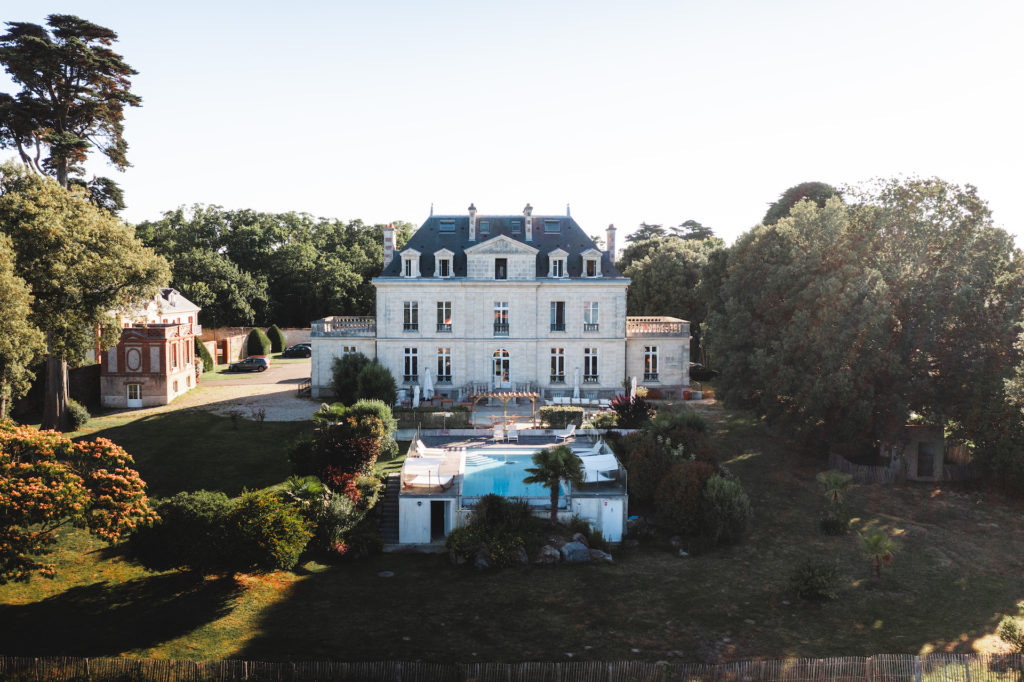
x: 880, y: 668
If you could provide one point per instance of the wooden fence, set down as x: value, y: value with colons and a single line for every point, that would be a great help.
x: 883, y: 668
x: 862, y: 473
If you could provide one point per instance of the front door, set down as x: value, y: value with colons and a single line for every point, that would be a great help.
x: 134, y: 395
x: 501, y: 369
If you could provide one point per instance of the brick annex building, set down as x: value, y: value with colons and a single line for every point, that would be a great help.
x: 506, y: 302
x: 154, y: 362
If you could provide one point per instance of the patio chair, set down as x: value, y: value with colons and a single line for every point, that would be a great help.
x: 512, y: 434
x: 565, y: 434
x: 499, y: 433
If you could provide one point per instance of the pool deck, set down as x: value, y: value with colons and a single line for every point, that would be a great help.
x: 455, y: 448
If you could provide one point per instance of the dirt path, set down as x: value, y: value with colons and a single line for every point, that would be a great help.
x: 273, y: 390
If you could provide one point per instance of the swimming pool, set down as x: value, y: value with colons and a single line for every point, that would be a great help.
x: 502, y: 474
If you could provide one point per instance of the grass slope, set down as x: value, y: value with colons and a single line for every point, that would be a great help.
x: 958, y: 570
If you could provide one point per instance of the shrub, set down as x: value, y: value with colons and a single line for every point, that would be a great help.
x: 680, y: 494
x: 277, y: 340
x: 605, y: 420
x: 497, y: 528
x: 560, y: 416
x: 203, y: 353
x: 303, y: 457
x: 344, y: 373
x: 191, y: 533
x: 595, y: 539
x: 257, y: 343
x: 388, y: 449
x: 648, y: 460
x: 632, y: 413
x: 429, y: 417
x: 682, y: 426
x: 1010, y: 631
x: 375, y: 382
x: 377, y: 408
x: 365, y: 539
x: 78, y: 415
x: 814, y: 581
x: 726, y: 511
x: 832, y: 525
x: 271, y: 534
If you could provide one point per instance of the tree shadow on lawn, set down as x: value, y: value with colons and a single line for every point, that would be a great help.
x: 105, y: 619
x: 194, y: 450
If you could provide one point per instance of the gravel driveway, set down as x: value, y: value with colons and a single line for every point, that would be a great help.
x: 274, y: 390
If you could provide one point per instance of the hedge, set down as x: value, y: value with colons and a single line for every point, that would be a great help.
x: 277, y: 339
x: 258, y: 343
x: 560, y: 416
x: 204, y: 354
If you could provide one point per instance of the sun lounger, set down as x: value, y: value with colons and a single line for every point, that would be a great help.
x: 565, y: 434
x: 423, y: 451
x: 499, y: 433
x: 512, y: 435
x: 429, y: 480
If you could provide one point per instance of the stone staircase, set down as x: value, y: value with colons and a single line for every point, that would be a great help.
x: 389, y: 510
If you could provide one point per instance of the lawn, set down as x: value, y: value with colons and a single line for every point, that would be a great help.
x: 958, y: 570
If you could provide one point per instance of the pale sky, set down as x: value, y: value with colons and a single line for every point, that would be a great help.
x: 629, y: 111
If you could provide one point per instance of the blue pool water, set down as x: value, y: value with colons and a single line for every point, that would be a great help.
x: 500, y: 474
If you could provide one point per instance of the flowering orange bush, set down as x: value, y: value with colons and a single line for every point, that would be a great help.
x: 46, y: 482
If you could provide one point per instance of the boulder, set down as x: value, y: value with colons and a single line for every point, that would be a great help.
x: 598, y: 555
x: 547, y: 555
x: 481, y: 563
x: 575, y: 553
x: 580, y: 538
x: 522, y: 557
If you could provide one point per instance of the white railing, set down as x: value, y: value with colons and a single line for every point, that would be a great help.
x: 344, y: 326
x: 655, y: 326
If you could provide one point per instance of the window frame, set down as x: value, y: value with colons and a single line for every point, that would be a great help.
x: 410, y: 316
x: 411, y: 365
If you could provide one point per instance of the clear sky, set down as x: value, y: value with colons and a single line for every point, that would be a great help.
x: 628, y: 111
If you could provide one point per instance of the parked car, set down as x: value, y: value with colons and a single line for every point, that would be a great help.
x: 699, y: 372
x: 297, y: 351
x: 253, y: 363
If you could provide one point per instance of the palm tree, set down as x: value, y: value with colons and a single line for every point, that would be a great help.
x: 551, y: 468
x: 835, y: 485
x: 879, y: 548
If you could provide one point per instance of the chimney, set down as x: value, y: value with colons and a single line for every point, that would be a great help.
x: 610, y: 243
x: 389, y: 244
x: 528, y: 214
x: 472, y: 223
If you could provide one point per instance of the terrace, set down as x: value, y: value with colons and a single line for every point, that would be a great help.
x: 655, y: 326
x: 341, y: 326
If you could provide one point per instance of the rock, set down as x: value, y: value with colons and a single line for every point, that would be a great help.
x: 580, y: 538
x: 481, y: 563
x: 522, y: 557
x: 575, y: 553
x: 598, y: 555
x: 456, y: 558
x: 547, y: 555
x: 683, y: 552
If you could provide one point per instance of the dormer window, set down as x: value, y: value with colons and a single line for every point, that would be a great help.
x: 411, y: 263
x: 557, y: 264
x: 516, y: 225
x: 447, y: 226
x: 591, y: 263
x: 443, y: 260
x: 552, y: 227
x: 485, y: 227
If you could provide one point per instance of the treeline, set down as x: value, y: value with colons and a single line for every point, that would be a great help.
x: 244, y: 267
x: 841, y: 318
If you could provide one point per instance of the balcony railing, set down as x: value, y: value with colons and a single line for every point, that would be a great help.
x: 444, y: 378
x: 590, y: 378
x: 500, y: 329
x: 344, y: 326
x: 558, y: 378
x: 411, y: 327
x: 590, y: 326
x: 655, y: 326
x: 558, y: 326
x: 411, y: 378
x: 650, y: 376
x: 444, y: 327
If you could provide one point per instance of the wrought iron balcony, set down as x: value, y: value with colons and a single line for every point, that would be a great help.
x: 410, y: 378
x: 558, y: 378
x: 558, y: 326
x: 444, y: 378
x: 590, y: 326
x: 590, y: 378
x: 444, y: 327
x: 650, y: 376
x: 500, y: 329
x: 411, y: 327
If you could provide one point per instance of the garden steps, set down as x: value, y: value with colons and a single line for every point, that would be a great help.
x: 389, y: 510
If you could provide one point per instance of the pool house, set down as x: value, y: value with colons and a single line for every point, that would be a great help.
x: 443, y: 478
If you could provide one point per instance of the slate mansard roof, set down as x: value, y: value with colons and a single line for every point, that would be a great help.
x: 429, y: 239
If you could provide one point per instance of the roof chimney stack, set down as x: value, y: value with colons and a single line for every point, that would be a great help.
x: 610, y: 243
x: 472, y: 223
x: 528, y: 215
x: 389, y: 244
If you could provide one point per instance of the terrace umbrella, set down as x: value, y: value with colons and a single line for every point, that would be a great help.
x: 428, y: 386
x: 415, y: 397
x: 576, y: 384
x: 632, y: 389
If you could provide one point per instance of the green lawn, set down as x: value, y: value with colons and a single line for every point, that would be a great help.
x: 958, y: 570
x: 192, y: 450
